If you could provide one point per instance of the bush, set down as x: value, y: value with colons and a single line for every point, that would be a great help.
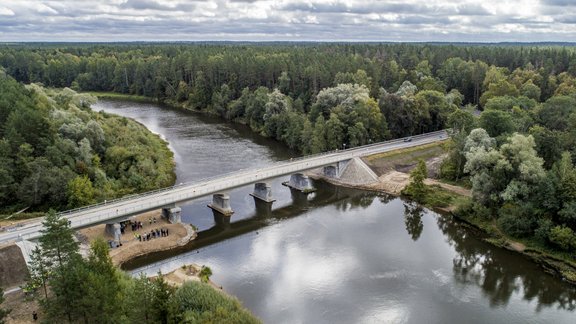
x: 470, y: 209
x: 197, y: 302
x: 515, y: 222
x: 542, y: 232
x: 563, y: 237
x: 436, y: 197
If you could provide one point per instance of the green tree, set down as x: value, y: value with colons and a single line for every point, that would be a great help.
x: 66, y: 267
x: 163, y: 292
x: 102, y: 293
x: 512, y: 174
x: 39, y: 272
x: 416, y: 189
x: 139, y: 300
x: 563, y: 237
x: 80, y: 192
x: 496, y: 122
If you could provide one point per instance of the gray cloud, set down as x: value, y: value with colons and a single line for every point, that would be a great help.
x: 472, y: 10
x: 353, y: 20
x: 560, y: 3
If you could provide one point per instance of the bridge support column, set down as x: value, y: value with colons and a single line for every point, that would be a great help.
x: 221, y: 204
x: 172, y: 214
x: 300, y: 182
x: 263, y: 192
x: 114, y: 230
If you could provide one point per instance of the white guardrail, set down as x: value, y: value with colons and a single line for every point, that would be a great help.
x: 134, y: 204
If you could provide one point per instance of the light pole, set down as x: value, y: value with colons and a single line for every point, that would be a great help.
x: 344, y: 145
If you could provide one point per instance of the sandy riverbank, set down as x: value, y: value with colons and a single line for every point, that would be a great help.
x: 179, y: 234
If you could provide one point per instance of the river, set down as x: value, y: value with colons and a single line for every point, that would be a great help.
x: 338, y: 255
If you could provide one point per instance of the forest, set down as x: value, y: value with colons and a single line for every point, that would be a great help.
x: 55, y: 152
x: 511, y: 108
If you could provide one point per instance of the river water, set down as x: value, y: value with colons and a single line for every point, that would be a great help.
x: 338, y: 255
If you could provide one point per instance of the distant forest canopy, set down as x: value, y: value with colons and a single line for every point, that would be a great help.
x: 57, y: 153
x: 313, y: 97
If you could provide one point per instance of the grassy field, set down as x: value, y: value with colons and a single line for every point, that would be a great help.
x: 120, y: 96
x: 403, y: 159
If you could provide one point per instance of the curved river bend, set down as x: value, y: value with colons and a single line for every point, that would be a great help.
x: 338, y: 255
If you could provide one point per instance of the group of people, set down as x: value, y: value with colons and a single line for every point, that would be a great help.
x: 155, y: 233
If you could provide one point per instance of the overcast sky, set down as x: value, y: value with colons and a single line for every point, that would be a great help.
x: 266, y: 20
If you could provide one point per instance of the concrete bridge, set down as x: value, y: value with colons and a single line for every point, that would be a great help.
x: 335, y: 164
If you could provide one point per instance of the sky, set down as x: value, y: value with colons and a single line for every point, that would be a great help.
x: 289, y: 20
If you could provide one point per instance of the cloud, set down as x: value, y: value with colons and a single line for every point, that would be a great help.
x: 472, y: 9
x: 356, y: 20
x: 560, y: 3
x: 6, y: 12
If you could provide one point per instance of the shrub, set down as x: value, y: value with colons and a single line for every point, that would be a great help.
x: 542, y: 232
x: 563, y: 237
x: 196, y: 302
x: 515, y: 222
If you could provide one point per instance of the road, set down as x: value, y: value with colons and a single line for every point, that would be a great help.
x: 122, y: 208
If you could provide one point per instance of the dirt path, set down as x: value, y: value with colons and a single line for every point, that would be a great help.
x: 394, y: 182
x: 456, y: 189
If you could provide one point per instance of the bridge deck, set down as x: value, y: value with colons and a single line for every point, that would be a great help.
x: 124, y: 207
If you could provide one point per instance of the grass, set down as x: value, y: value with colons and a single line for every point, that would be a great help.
x: 121, y: 96
x: 21, y: 216
x: 413, y: 154
x: 438, y: 197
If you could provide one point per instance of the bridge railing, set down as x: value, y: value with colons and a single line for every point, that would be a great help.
x: 245, y: 170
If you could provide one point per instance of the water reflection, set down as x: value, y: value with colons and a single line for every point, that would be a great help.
x: 413, y: 219
x: 501, y: 273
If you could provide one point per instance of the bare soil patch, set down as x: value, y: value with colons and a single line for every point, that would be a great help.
x: 179, y: 234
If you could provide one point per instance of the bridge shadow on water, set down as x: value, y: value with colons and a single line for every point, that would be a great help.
x: 263, y: 215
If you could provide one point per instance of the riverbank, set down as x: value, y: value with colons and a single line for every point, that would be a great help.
x: 393, y: 170
x: 122, y: 96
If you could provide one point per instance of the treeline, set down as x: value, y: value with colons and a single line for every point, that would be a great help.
x: 74, y: 289
x: 313, y: 97
x: 57, y: 153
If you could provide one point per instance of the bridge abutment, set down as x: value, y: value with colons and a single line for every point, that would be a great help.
x: 221, y: 204
x: 335, y: 171
x: 300, y: 182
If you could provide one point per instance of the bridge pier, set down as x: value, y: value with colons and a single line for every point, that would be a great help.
x: 263, y: 192
x: 114, y: 230
x: 223, y: 221
x: 300, y: 182
x: 221, y: 204
x: 263, y: 208
x: 172, y: 214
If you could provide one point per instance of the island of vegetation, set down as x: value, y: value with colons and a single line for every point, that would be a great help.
x: 55, y: 152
